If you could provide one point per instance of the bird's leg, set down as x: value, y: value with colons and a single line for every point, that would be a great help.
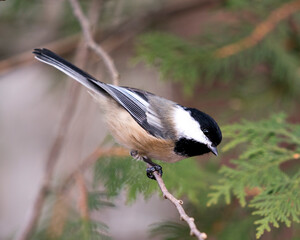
x: 135, y: 154
x: 150, y: 170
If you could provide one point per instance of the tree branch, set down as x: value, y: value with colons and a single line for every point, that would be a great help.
x: 119, y: 151
x: 56, y: 148
x: 59, y: 215
x: 85, y: 26
x: 178, y: 204
x: 51, y: 163
x: 116, y: 35
x: 83, y: 198
x: 260, y: 31
x: 91, y: 159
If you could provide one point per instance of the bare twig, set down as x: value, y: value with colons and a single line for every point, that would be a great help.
x: 54, y: 151
x: 91, y: 159
x: 51, y: 163
x: 58, y: 218
x: 178, y: 204
x: 62, y: 46
x: 260, y: 31
x: 115, y: 35
x: 85, y: 25
x: 94, y: 14
x: 83, y: 198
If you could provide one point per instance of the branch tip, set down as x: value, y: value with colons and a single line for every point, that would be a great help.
x: 203, y: 235
x: 88, y: 36
x: 178, y: 204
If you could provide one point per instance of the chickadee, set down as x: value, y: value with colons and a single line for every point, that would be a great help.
x: 149, y: 125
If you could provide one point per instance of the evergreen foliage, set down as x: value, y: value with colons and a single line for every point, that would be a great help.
x: 96, y: 202
x: 71, y: 225
x: 255, y: 6
x: 184, y: 178
x: 86, y: 230
x: 76, y: 229
x: 266, y: 146
x: 170, y: 231
x: 192, y: 63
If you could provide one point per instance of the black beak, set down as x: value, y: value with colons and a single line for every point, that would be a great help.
x: 214, y: 150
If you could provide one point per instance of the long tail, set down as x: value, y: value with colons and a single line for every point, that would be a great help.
x: 46, y: 56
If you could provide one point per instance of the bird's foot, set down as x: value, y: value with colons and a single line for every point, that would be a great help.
x: 152, y: 169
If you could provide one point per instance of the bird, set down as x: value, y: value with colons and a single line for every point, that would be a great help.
x: 150, y: 126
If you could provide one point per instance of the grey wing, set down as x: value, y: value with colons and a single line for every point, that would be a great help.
x: 136, y: 102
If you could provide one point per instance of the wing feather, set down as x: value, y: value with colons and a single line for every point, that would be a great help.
x: 137, y: 104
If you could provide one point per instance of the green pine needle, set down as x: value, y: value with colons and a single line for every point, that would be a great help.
x: 265, y: 146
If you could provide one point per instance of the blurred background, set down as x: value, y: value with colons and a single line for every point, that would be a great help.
x: 233, y: 59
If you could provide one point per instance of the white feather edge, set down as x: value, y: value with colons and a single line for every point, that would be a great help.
x: 71, y: 73
x: 131, y: 95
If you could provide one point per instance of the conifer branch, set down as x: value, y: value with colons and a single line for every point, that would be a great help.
x: 260, y: 31
x: 178, y: 204
x: 258, y: 171
x: 85, y: 25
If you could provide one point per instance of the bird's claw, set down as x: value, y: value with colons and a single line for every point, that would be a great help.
x: 152, y: 169
x: 153, y: 166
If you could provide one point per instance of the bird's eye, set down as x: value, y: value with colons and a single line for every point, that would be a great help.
x: 205, y: 130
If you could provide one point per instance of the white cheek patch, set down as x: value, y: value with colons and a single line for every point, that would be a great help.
x: 188, y: 127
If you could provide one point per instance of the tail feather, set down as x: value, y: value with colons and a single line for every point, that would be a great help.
x: 46, y: 56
